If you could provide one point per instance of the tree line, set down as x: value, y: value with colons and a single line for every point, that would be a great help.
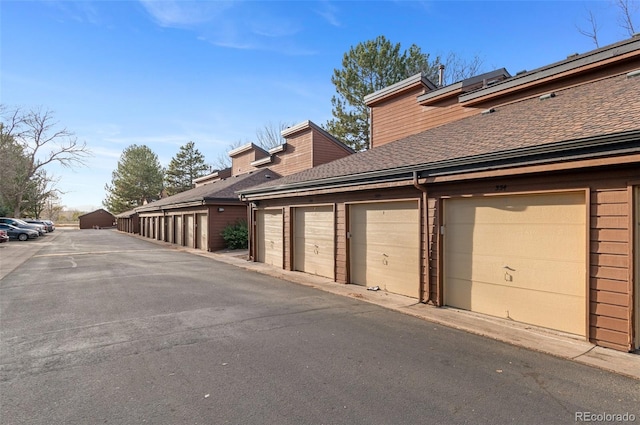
x: 31, y: 141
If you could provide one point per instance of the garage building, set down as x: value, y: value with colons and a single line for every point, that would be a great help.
x: 519, y: 198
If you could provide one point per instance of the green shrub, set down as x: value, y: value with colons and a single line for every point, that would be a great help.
x: 236, y: 236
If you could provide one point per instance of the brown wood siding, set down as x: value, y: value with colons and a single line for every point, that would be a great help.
x: 326, y: 150
x: 424, y: 248
x: 610, y: 237
x: 341, y: 243
x: 433, y: 236
x: 402, y: 116
x: 219, y: 220
x: 98, y: 218
x: 396, y: 118
x: 287, y: 238
x: 241, y: 163
x: 296, y: 157
x: 129, y: 224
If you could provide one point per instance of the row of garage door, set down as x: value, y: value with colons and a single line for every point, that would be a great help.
x: 518, y: 256
x: 190, y: 230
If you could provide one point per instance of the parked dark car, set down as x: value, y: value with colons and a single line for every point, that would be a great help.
x: 48, y: 224
x: 4, y: 237
x: 19, y: 233
x: 24, y: 225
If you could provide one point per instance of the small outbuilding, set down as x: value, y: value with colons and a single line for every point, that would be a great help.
x: 97, y: 219
x: 128, y: 221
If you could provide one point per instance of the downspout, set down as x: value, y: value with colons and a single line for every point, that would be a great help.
x: 250, y: 207
x: 425, y: 201
x: 250, y: 243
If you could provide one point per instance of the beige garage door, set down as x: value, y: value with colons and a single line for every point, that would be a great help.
x: 269, y: 237
x: 170, y: 231
x: 313, y: 241
x: 203, y: 231
x: 518, y: 257
x: 384, y: 246
x: 179, y: 230
x: 188, y: 231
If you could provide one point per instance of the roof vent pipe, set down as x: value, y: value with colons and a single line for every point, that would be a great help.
x: 441, y: 75
x: 632, y: 74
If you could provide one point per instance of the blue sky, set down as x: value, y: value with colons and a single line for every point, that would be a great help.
x: 163, y: 73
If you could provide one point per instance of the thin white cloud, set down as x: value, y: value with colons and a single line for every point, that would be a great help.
x: 84, y: 12
x: 184, y: 14
x: 102, y: 152
x: 329, y: 13
x: 231, y: 25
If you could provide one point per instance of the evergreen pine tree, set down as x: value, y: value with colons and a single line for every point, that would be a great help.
x: 137, y: 180
x: 187, y: 165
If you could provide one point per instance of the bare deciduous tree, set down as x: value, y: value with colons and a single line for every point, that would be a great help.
x: 592, y: 31
x: 223, y: 160
x: 626, y: 9
x: 270, y: 135
x: 457, y: 68
x: 43, y: 142
x: 267, y: 137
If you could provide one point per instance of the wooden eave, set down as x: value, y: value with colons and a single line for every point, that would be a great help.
x: 262, y: 161
x: 204, y: 202
x: 407, y: 180
x: 397, y: 93
x: 308, y: 126
x: 439, y: 97
x: 465, y: 86
x: 246, y: 148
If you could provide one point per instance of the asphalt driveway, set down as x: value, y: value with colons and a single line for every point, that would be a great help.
x: 100, y: 327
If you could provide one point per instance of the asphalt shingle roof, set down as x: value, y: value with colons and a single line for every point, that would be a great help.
x: 224, y: 189
x: 602, y: 107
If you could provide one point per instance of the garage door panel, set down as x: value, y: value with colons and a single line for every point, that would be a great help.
x: 558, y: 240
x: 523, y: 258
x: 202, y: 231
x: 189, y: 225
x: 385, y: 246
x: 515, y: 303
x: 538, y: 209
x: 543, y: 275
x: 314, y: 240
x: 384, y: 270
x: 179, y: 229
x: 269, y: 237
